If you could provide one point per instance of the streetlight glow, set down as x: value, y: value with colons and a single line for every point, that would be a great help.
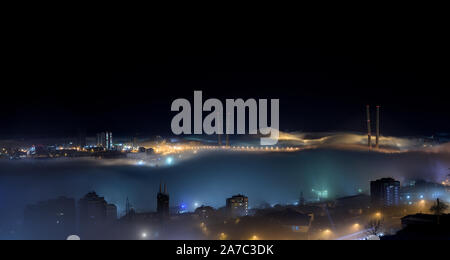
x: 254, y: 237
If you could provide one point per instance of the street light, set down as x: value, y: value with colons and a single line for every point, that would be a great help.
x: 254, y: 237
x: 326, y: 234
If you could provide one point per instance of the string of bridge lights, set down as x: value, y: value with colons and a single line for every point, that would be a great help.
x: 175, y: 149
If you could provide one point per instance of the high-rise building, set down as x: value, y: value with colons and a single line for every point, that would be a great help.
x: 105, y: 140
x: 301, y: 201
x: 52, y: 219
x: 237, y: 205
x: 95, y: 213
x: 134, y: 141
x: 99, y: 139
x: 163, y: 203
x: 111, y: 212
x: 385, y: 192
x: 205, y: 212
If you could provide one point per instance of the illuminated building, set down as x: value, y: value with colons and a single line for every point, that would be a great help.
x: 446, y: 182
x: 205, y: 212
x: 420, y: 189
x: 385, y: 192
x: 321, y: 194
x: 105, y: 140
x: 135, y: 141
x: 237, y: 206
x: 163, y: 209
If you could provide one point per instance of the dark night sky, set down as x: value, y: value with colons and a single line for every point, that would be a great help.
x: 55, y: 85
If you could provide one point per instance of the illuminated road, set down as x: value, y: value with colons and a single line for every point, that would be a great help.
x: 173, y: 149
x: 355, y: 236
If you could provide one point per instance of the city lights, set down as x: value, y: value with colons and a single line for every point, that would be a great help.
x: 222, y: 236
x: 238, y: 206
x: 321, y: 194
x: 326, y: 234
x: 110, y: 144
x: 254, y: 237
x: 169, y: 160
x: 140, y: 163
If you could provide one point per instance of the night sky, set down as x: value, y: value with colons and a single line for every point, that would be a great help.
x: 57, y: 85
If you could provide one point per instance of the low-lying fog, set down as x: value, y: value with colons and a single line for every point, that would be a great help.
x: 210, y: 178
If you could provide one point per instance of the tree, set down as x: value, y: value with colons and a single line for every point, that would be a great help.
x: 374, y: 227
x: 438, y: 209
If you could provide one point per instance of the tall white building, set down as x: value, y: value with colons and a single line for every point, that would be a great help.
x: 105, y: 140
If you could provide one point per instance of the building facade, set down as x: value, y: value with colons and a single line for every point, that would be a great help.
x: 94, y: 215
x: 385, y: 192
x: 105, y: 140
x: 237, y: 206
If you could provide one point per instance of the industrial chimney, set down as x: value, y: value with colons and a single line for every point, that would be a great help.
x: 378, y: 128
x: 227, y: 132
x: 219, y: 130
x: 369, y: 129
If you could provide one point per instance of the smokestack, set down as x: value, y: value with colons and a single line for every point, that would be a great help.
x: 378, y: 128
x: 165, y: 188
x: 369, y: 128
x: 226, y: 131
x: 219, y: 130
